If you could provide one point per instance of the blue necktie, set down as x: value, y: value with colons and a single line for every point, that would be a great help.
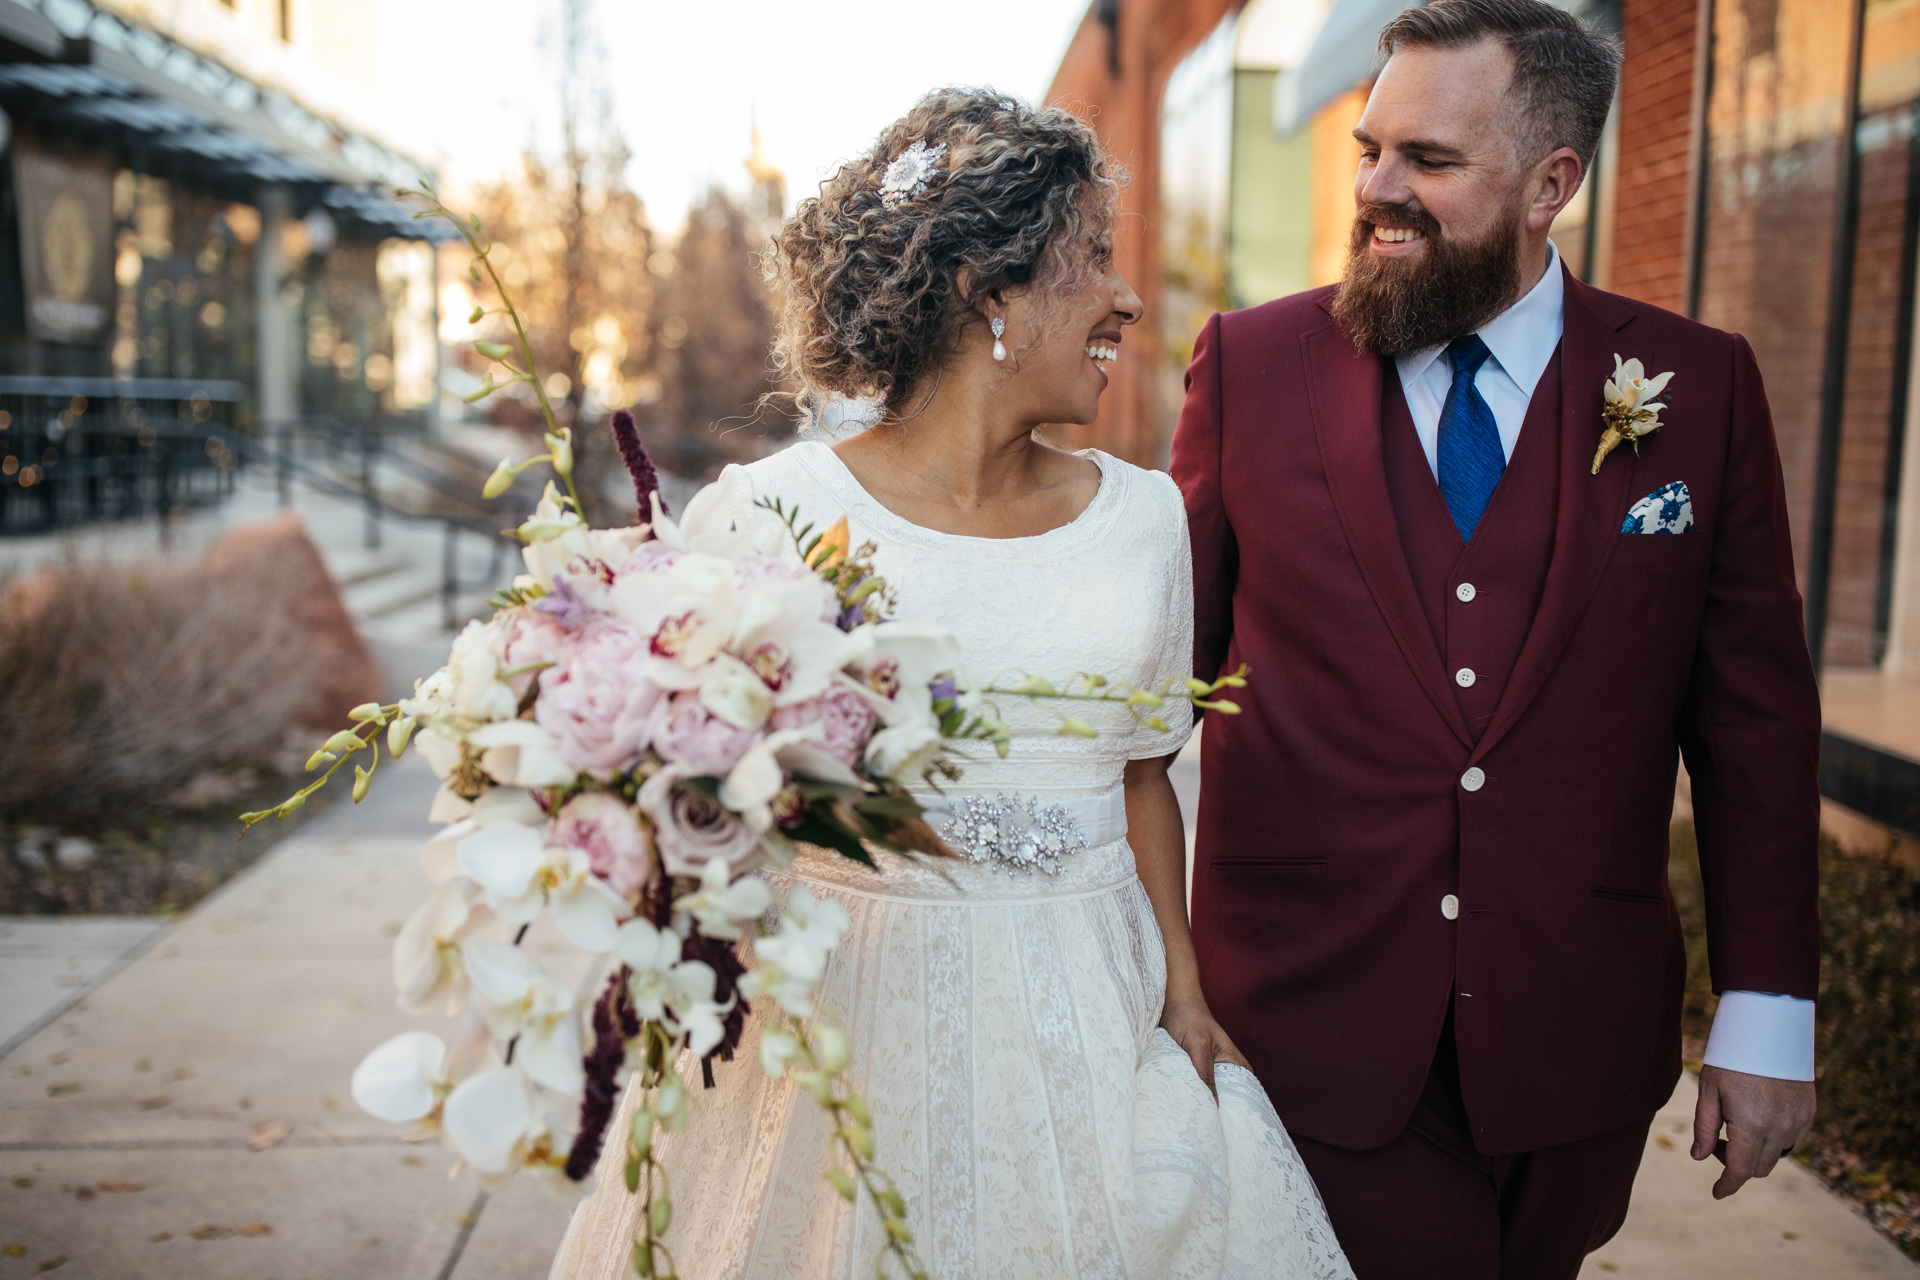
x: 1470, y: 456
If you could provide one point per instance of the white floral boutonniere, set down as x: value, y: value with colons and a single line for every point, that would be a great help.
x: 1632, y: 409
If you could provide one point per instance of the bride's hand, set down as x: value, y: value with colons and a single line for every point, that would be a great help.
x: 1192, y: 1027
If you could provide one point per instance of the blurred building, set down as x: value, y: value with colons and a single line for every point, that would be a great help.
x: 192, y: 229
x: 1761, y: 172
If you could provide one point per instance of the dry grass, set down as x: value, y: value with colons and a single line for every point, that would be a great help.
x: 121, y: 687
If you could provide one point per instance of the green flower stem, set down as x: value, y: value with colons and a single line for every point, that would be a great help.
x: 365, y: 735
x: 470, y: 231
x: 651, y: 1256
x: 853, y: 1138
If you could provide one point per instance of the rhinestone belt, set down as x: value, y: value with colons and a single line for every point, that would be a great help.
x: 1023, y: 833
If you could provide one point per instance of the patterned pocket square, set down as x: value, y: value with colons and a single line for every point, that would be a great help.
x: 1668, y: 509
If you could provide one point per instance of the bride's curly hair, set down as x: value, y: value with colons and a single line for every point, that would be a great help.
x: 872, y: 296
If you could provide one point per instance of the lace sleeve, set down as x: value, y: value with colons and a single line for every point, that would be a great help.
x: 1172, y: 650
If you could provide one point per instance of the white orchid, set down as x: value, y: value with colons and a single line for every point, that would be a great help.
x: 719, y: 908
x: 778, y: 1049
x: 904, y: 752
x: 786, y: 634
x: 552, y: 537
x: 518, y: 872
x: 900, y: 665
x: 519, y: 753
x: 688, y: 610
x: 500, y: 806
x: 1631, y: 387
x: 752, y: 784
x: 493, y: 1121
x: 791, y: 963
x: 708, y: 523
x: 1632, y: 408
x: 426, y: 951
x: 666, y: 988
x: 522, y: 1002
x: 404, y: 1079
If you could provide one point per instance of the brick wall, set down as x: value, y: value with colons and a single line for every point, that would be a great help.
x: 1655, y: 127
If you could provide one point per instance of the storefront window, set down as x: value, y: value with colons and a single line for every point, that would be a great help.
x: 1775, y: 119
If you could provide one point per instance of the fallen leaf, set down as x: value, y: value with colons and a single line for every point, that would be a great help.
x: 180, y: 1073
x: 22, y: 1181
x: 254, y: 1229
x: 15, y: 1251
x: 54, y: 1263
x: 64, y: 1088
x: 211, y: 1232
x: 464, y: 1220
x: 410, y: 1161
x: 155, y: 1104
x: 372, y: 1241
x: 1608, y: 1266
x: 159, y: 1236
x: 120, y: 1186
x: 269, y: 1135
x: 1666, y: 1143
x: 83, y: 1193
x: 18, y: 1072
x: 56, y: 1059
x: 330, y: 1102
x: 142, y: 1065
x: 1789, y: 1235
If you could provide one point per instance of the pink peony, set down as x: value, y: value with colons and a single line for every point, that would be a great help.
x: 605, y: 828
x: 839, y: 720
x: 692, y: 736
x: 529, y: 636
x: 691, y: 829
x: 596, y: 699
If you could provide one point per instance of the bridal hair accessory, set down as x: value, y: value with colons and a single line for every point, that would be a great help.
x: 999, y: 327
x: 909, y: 173
x: 1633, y: 407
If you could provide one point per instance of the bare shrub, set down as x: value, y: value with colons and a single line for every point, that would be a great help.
x: 119, y: 687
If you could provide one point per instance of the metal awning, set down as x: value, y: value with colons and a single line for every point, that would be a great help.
x: 1340, y: 59
x: 133, y: 91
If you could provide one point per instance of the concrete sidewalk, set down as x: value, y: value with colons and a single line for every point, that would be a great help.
x: 188, y: 1119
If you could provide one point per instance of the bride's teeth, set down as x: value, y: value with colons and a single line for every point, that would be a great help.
x: 1097, y: 351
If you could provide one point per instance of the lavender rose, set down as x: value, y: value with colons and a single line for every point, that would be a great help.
x: 596, y: 699
x: 605, y: 828
x: 691, y: 735
x: 691, y: 829
x: 839, y: 720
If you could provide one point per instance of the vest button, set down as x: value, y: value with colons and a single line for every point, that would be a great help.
x: 1474, y: 778
x: 1450, y: 907
x: 1464, y: 677
x: 1465, y: 591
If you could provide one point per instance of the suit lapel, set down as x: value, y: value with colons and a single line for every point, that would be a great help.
x: 1587, y: 525
x: 1343, y: 387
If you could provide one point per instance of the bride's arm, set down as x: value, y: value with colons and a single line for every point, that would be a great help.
x: 1159, y: 843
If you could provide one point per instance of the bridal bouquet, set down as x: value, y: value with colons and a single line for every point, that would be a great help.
x: 652, y: 714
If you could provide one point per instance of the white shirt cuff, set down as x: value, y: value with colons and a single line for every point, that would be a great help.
x: 1762, y: 1034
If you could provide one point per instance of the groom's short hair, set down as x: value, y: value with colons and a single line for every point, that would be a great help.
x: 1564, y: 71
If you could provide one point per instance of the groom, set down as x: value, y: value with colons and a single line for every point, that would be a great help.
x: 1429, y: 895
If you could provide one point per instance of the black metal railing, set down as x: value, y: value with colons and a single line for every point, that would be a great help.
x: 78, y: 451
x: 82, y: 451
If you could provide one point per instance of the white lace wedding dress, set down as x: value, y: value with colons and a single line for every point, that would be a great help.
x: 1004, y: 1019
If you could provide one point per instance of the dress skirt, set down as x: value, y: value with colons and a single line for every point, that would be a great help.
x: 1031, y: 1112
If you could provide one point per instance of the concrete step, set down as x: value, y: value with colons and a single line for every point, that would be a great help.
x: 398, y: 587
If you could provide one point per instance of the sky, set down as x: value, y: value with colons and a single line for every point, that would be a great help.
x: 469, y: 85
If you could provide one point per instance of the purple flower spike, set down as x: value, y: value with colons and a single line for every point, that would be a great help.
x: 646, y: 480
x: 614, y: 1023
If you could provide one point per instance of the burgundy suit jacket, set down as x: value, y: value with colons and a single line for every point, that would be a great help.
x: 1350, y: 796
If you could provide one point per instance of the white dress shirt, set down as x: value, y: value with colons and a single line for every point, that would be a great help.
x: 1753, y: 1031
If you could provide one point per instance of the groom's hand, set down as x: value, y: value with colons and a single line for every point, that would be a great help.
x: 1765, y: 1119
x: 1192, y: 1027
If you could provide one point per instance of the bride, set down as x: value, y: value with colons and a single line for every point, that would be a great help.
x: 1048, y: 1088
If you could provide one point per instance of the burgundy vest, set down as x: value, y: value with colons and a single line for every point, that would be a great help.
x: 1480, y: 597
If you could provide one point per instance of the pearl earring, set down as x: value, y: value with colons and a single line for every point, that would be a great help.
x: 999, y: 328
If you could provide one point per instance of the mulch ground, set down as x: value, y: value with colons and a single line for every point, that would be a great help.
x: 156, y: 863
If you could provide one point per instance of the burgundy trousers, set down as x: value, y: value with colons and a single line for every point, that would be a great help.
x: 1428, y: 1206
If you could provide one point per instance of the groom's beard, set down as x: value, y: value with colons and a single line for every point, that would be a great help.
x: 1391, y: 306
